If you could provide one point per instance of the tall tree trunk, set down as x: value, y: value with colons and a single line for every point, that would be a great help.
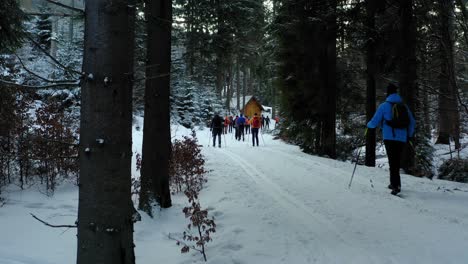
x: 238, y: 83
x: 157, y: 130
x: 105, y: 209
x: 219, y: 77
x: 371, y: 79
x: 244, y: 86
x: 274, y: 98
x: 250, y: 90
x: 329, y: 121
x: 220, y: 69
x: 408, y: 69
x: 53, y: 41
x: 229, y: 87
x: 427, y: 124
x: 70, y: 26
x: 449, y: 120
x: 191, y: 41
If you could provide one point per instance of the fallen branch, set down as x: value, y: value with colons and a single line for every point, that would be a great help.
x: 55, y: 226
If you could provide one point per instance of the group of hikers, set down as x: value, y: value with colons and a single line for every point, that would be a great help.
x: 392, y: 116
x: 241, y: 125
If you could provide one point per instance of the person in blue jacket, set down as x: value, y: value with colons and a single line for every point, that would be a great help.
x: 240, y: 124
x: 394, y: 138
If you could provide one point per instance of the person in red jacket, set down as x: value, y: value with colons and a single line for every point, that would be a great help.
x: 247, y: 125
x: 256, y: 124
x: 226, y: 124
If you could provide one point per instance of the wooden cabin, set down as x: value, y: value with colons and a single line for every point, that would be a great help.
x: 251, y: 107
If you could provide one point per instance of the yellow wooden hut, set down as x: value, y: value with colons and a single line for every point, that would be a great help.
x: 251, y: 107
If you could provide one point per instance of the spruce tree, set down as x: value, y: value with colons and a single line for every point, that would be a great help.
x: 11, y: 25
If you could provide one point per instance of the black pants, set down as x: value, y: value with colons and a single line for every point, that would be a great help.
x: 240, y: 132
x: 217, y: 132
x: 247, y: 129
x: 254, y: 136
x: 394, y: 149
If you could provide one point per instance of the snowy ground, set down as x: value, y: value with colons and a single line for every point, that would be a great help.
x: 272, y: 204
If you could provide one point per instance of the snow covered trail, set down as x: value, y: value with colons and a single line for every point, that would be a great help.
x: 272, y: 204
x: 296, y: 208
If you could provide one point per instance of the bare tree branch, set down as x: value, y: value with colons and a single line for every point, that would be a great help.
x: 55, y: 226
x: 50, y: 86
x: 183, y: 243
x: 66, y: 6
x: 153, y: 77
x: 57, y: 141
x: 50, y: 14
x: 40, y: 77
x: 52, y: 57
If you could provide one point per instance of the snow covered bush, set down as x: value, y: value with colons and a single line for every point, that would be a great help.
x: 424, y: 154
x: 454, y: 170
x: 187, y: 171
x: 187, y: 174
x: 55, y: 146
x: 38, y: 140
x: 136, y: 183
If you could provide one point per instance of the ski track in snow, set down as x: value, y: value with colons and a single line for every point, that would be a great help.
x: 272, y: 204
x: 307, y: 162
x: 299, y: 214
x: 332, y: 223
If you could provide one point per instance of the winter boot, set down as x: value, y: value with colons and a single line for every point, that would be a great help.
x: 395, y: 191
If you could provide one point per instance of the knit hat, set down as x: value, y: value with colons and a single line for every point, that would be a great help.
x: 391, y: 89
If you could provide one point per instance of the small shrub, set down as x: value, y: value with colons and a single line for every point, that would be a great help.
x: 454, y: 170
x: 187, y: 174
x: 136, y: 183
x: 200, y: 222
x: 187, y: 171
x: 55, y: 151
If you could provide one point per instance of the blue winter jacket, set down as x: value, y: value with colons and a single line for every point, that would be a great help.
x: 241, y: 121
x: 384, y: 112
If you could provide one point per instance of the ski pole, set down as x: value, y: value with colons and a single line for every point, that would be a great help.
x: 261, y: 134
x: 225, y: 144
x: 209, y: 138
x: 357, y: 159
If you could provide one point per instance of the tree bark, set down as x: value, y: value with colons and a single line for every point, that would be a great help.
x: 157, y: 130
x: 238, y: 83
x: 105, y: 209
x: 244, y: 86
x: 229, y: 87
x: 71, y: 26
x: 329, y: 117
x: 449, y: 120
x: 408, y: 67
x: 371, y: 80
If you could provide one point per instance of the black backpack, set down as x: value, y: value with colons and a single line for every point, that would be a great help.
x: 400, y: 116
x: 217, y: 122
